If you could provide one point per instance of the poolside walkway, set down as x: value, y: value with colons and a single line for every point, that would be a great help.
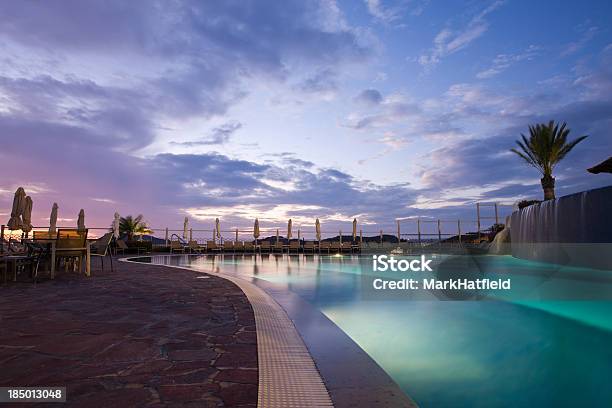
x: 142, y: 335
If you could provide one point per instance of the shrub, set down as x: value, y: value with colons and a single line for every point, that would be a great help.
x: 527, y: 203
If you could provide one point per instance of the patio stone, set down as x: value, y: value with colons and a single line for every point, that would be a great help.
x: 141, y: 335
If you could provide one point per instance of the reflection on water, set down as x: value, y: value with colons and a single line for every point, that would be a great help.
x: 453, y: 353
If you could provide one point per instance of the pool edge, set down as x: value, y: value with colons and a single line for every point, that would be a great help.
x: 350, y: 376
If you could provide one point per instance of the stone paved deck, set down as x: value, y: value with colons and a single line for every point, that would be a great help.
x: 140, y: 336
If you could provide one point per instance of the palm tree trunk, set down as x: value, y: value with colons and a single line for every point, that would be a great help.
x: 548, y: 185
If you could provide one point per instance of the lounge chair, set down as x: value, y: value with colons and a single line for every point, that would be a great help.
x: 120, y: 245
x: 264, y: 246
x: 193, y: 246
x: 278, y: 247
x: 357, y: 247
x: 211, y: 246
x: 238, y: 246
x: 309, y: 246
x: 346, y: 247
x: 336, y: 247
x: 228, y: 246
x: 294, y: 246
x: 177, y: 246
x: 248, y: 247
x: 324, y: 246
x: 101, y: 248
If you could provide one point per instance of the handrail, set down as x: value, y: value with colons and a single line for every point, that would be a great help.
x: 179, y: 239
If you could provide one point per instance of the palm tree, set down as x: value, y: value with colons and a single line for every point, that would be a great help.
x: 130, y: 226
x: 546, y: 146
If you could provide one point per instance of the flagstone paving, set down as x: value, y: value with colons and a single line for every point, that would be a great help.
x: 139, y: 336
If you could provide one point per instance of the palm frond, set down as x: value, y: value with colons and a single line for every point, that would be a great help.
x: 546, y: 145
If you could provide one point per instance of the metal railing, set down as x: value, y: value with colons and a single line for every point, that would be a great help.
x: 408, y: 231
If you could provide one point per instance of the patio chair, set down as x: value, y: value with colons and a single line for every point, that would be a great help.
x: 71, y: 247
x: 4, y: 266
x: 324, y: 246
x: 309, y: 246
x: 294, y: 246
x: 357, y: 247
x: 43, y: 236
x: 101, y: 248
x: 20, y: 257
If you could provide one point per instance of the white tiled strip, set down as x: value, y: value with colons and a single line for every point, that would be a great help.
x: 288, y: 377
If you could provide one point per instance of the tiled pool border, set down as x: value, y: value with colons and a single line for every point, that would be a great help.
x: 304, y: 358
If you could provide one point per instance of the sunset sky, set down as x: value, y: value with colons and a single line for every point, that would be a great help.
x: 236, y: 109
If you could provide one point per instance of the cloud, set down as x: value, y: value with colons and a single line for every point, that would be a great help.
x: 389, y: 110
x: 449, y: 41
x: 323, y: 82
x: 587, y: 32
x: 504, y: 61
x: 369, y: 97
x: 103, y: 200
x: 382, y: 13
x: 163, y: 61
x: 219, y: 135
x: 387, y: 14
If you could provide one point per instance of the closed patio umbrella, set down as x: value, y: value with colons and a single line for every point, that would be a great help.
x: 277, y: 235
x: 27, y: 216
x: 299, y: 235
x: 185, y: 227
x: 256, y: 229
x: 399, y: 235
x: 53, y: 219
x: 354, y: 229
x: 15, y: 222
x: 218, y: 228
x: 116, y: 226
x: 289, y: 225
x: 318, y: 229
x: 81, y: 220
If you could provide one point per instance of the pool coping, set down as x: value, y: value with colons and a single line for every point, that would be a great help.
x: 349, y: 375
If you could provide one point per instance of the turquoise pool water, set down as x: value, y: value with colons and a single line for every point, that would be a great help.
x: 459, y: 353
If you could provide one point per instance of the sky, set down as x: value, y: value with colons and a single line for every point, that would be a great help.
x: 374, y: 109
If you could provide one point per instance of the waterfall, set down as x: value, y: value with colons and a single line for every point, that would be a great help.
x: 501, y: 242
x: 573, y: 229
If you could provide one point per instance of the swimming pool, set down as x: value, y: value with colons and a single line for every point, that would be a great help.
x: 523, y: 352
